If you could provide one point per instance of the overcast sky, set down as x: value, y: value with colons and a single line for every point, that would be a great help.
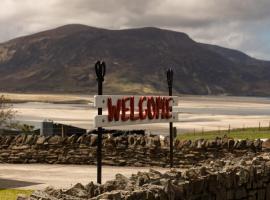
x: 239, y: 24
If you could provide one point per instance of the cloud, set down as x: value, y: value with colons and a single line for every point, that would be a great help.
x: 240, y: 24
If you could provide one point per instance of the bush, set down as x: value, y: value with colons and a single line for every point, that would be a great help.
x: 7, y: 114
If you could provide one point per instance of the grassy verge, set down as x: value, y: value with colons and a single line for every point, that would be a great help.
x: 12, y: 194
x: 241, y: 133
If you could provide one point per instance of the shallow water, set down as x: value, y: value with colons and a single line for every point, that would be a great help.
x: 207, y: 113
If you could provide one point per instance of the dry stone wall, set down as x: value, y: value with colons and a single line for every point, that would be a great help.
x: 132, y: 150
x: 237, y: 178
x: 219, y: 169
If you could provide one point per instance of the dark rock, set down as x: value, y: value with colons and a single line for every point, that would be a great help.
x: 266, y: 144
x: 41, y: 140
x: 114, y: 195
x: 55, y: 140
x: 93, y: 141
x: 77, y: 190
x: 230, y: 144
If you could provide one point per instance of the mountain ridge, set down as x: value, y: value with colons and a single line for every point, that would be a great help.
x: 61, y: 60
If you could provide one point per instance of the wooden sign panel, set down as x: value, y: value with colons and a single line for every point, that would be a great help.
x: 132, y: 110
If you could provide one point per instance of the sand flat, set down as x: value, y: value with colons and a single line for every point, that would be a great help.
x: 50, y: 98
x: 195, y: 112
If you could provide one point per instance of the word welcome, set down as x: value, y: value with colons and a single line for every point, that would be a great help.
x: 130, y: 110
x: 156, y: 107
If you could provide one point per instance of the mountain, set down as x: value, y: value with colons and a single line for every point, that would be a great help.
x: 62, y: 61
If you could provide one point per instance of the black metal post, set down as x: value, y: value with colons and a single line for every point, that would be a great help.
x: 100, y: 72
x: 170, y: 82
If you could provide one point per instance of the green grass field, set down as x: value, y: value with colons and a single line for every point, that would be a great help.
x: 12, y: 194
x: 241, y: 133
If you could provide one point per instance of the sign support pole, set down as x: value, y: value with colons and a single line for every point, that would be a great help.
x: 100, y: 69
x: 170, y: 82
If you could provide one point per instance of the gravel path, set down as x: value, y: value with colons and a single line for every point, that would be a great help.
x: 39, y: 176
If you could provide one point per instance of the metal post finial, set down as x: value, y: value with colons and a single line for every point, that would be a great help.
x: 100, y: 68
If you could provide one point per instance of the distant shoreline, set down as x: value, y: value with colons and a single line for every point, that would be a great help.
x: 86, y: 99
x: 48, y: 98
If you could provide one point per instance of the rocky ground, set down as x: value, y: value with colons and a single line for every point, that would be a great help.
x: 222, y: 168
x: 132, y: 150
x: 246, y: 177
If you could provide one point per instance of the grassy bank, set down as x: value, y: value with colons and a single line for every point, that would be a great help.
x: 12, y: 194
x: 240, y: 133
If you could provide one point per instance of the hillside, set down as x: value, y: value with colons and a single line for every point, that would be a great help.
x: 62, y: 60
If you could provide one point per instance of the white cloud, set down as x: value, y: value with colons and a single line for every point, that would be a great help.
x: 231, y: 23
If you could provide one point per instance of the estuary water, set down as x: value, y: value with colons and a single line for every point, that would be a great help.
x: 195, y: 113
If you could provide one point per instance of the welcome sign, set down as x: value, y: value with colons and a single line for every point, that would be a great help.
x: 132, y: 110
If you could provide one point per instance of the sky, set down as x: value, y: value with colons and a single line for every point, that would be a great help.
x: 237, y: 24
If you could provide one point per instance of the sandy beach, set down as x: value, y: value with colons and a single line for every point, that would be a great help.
x: 195, y: 112
x: 47, y: 98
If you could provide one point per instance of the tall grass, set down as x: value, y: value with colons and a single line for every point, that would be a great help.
x: 12, y: 194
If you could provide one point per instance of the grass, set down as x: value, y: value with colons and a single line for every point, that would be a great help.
x: 240, y: 133
x: 12, y: 194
